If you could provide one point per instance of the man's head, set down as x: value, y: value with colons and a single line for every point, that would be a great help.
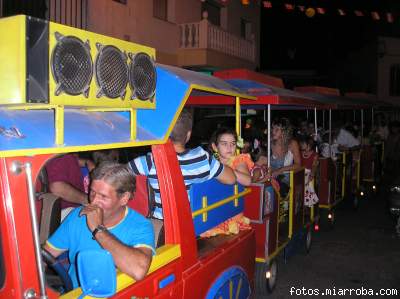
x: 183, y: 128
x: 112, y: 185
x: 105, y: 155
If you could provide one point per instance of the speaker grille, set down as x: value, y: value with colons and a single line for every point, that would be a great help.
x: 142, y: 76
x: 111, y: 72
x: 71, y: 65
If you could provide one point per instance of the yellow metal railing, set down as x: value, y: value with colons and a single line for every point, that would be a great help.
x: 291, y: 202
x: 343, y: 174
x: 206, y: 208
x: 358, y: 169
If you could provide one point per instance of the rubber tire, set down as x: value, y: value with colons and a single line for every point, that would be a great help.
x: 356, y: 201
x: 265, y: 286
x: 308, y: 241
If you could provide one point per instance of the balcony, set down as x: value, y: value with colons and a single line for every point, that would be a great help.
x: 202, y: 43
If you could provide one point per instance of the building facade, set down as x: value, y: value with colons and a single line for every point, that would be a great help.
x: 196, y: 34
x: 375, y: 69
x: 188, y: 33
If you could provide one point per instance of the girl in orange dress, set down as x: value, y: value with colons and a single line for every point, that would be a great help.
x: 224, y: 144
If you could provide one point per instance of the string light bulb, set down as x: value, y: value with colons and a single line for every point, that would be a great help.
x: 310, y: 12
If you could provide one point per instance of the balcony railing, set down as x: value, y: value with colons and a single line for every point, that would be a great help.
x: 69, y: 12
x: 204, y: 35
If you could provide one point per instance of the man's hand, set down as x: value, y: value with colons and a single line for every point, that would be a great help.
x: 94, y: 216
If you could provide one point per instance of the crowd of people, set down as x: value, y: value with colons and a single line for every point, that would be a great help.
x: 96, y: 189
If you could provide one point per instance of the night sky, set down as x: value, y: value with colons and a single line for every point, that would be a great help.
x: 292, y: 41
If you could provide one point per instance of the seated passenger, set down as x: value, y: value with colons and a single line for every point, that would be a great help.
x: 328, y: 150
x: 98, y: 157
x: 196, y: 164
x: 391, y: 154
x: 285, y: 153
x: 66, y: 180
x: 345, y: 139
x: 381, y: 129
x: 223, y: 143
x: 260, y: 157
x: 105, y: 155
x: 309, y: 160
x: 106, y: 222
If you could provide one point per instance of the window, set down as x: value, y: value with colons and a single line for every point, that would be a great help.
x: 213, y: 10
x: 15, y: 7
x: 160, y: 9
x: 395, y: 80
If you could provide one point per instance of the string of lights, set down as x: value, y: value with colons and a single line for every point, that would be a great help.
x: 314, y: 8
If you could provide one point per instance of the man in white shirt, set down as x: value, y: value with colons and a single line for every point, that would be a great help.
x: 346, y: 140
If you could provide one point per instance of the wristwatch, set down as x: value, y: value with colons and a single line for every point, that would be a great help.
x: 99, y: 228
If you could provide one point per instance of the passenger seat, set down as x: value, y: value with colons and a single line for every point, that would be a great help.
x: 50, y: 208
x: 50, y: 217
x: 143, y: 203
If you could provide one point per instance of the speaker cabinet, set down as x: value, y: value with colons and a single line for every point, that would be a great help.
x: 50, y: 63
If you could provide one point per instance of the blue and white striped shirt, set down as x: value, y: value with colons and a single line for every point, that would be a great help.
x: 197, y: 166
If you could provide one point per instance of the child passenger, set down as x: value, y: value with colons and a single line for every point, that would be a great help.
x: 309, y: 160
x: 223, y: 144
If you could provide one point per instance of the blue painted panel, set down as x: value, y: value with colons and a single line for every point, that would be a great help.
x: 35, y: 128
x: 83, y: 128
x: 234, y: 279
x: 31, y: 129
x: 249, y: 85
x: 170, y: 91
x: 214, y: 191
x: 166, y: 281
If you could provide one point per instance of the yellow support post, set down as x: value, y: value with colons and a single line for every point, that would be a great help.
x: 239, y: 133
x: 343, y: 174
x: 59, y: 125
x: 204, y: 205
x: 238, y: 119
x: 358, y: 170
x: 312, y: 207
x: 238, y: 116
x: 291, y: 202
x: 236, y: 191
x: 133, y: 124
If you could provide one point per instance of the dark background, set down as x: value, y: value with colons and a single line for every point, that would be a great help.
x: 319, y: 45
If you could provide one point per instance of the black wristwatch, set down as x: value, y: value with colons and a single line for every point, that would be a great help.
x: 99, y: 228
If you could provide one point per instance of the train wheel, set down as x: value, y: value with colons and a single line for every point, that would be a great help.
x: 355, y: 202
x: 266, y: 276
x: 308, y: 240
x: 232, y: 283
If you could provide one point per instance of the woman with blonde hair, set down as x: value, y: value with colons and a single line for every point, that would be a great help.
x: 285, y: 153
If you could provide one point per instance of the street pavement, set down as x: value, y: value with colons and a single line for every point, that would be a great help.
x: 360, y: 255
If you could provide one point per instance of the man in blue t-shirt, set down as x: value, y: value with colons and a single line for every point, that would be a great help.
x: 197, y: 165
x: 106, y: 222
